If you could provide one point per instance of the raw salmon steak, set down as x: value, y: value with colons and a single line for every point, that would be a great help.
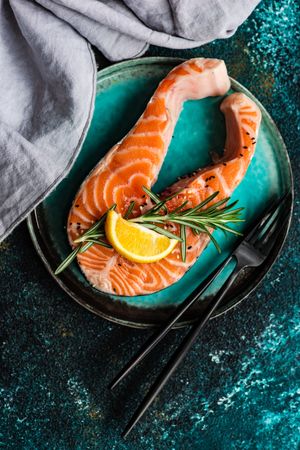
x: 135, y: 162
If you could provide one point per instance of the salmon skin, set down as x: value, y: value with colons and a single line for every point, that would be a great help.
x: 135, y: 162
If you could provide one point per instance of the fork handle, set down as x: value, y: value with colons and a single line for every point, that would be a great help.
x: 181, y: 352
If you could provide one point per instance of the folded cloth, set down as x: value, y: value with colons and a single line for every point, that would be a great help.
x: 48, y: 71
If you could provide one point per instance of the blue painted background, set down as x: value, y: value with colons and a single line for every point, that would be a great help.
x: 239, y: 387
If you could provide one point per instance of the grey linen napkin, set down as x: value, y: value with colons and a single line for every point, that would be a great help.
x: 47, y: 76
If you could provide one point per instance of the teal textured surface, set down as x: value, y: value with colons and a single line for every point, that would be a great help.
x: 239, y: 386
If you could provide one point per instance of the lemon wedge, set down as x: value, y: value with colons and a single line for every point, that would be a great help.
x: 135, y: 242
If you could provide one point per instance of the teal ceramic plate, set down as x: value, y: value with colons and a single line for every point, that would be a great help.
x: 122, y: 93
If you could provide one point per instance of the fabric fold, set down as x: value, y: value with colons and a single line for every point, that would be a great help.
x: 48, y: 76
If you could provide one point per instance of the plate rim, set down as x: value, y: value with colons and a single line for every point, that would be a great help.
x: 36, y: 233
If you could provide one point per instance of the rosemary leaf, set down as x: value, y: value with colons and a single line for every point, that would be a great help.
x: 179, y: 208
x: 85, y: 247
x: 99, y: 242
x: 129, y: 210
x: 191, y: 224
x: 85, y: 236
x: 213, y: 240
x: 183, y: 242
x: 151, y: 194
x: 67, y: 261
x: 228, y: 229
x: 157, y: 200
x: 208, y: 199
x: 167, y: 199
x: 196, y: 209
x: 162, y: 231
x: 156, y: 208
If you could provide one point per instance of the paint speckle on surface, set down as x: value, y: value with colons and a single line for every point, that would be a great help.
x: 79, y: 394
x: 4, y: 246
x: 239, y: 386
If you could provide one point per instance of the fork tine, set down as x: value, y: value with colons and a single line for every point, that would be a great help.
x: 254, y: 232
x: 266, y: 241
x: 266, y: 227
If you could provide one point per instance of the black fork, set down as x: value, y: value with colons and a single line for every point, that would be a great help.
x: 251, y: 252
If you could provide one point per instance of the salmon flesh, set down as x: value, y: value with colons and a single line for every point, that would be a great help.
x: 135, y: 162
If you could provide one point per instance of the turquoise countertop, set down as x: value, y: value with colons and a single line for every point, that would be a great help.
x: 238, y: 388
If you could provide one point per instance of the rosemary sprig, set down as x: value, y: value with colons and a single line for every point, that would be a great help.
x: 200, y: 220
x: 157, y: 218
